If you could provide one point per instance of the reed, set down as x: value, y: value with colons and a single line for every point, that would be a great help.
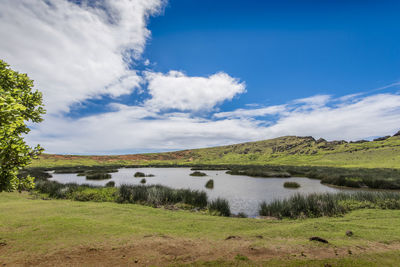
x: 220, y: 206
x: 328, y: 204
x: 291, y: 185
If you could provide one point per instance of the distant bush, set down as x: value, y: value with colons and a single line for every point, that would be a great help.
x: 98, y: 176
x: 143, y: 181
x: 210, y: 184
x: 38, y: 174
x: 91, y: 172
x: 327, y: 204
x: 220, y: 206
x: 291, y: 185
x: 197, y: 173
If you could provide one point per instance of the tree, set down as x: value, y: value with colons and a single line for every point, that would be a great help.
x: 19, y: 104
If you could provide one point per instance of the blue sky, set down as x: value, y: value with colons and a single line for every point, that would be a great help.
x: 151, y: 75
x: 283, y: 49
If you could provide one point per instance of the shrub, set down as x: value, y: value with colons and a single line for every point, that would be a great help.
x: 291, y: 185
x: 210, y: 184
x: 197, y: 173
x: 38, y: 174
x: 220, y: 206
x: 143, y: 181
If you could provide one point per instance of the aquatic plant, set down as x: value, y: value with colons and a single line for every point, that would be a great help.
x: 98, y: 176
x: 110, y: 184
x: 291, y: 185
x: 197, y: 173
x: 161, y: 195
x: 139, y: 174
x: 210, y: 184
x: 328, y: 204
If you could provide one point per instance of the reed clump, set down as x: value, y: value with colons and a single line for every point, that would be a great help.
x: 291, y: 185
x: 197, y: 173
x: 210, y: 184
x: 328, y: 204
x: 98, y: 176
x: 220, y: 207
x: 157, y: 195
x: 139, y: 174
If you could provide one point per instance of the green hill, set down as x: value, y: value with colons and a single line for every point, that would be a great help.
x: 288, y: 150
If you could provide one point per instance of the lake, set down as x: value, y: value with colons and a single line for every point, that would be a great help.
x: 244, y: 193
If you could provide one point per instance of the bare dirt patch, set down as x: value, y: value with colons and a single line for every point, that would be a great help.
x: 162, y: 251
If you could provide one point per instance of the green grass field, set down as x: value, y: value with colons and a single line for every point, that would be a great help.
x: 63, y: 232
x: 288, y: 150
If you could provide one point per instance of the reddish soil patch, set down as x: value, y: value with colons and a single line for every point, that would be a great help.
x: 178, y: 155
x: 164, y: 250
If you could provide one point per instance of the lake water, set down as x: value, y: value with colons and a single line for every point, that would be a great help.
x: 244, y: 193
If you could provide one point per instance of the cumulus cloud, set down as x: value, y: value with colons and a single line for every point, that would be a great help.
x: 76, y: 51
x: 246, y: 113
x: 139, y: 128
x: 175, y: 90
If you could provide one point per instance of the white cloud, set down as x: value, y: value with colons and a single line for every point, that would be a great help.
x: 175, y: 90
x: 135, y: 129
x: 75, y: 52
x: 243, y: 113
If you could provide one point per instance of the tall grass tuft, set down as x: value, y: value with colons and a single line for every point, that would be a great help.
x: 161, y: 195
x: 220, y: 206
x: 328, y: 204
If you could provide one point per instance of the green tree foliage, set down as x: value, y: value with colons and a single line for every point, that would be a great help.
x: 19, y: 104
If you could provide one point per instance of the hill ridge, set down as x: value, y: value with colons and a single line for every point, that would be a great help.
x: 383, y: 152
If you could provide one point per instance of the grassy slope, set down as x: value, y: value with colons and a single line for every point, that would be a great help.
x: 288, y: 150
x: 33, y: 229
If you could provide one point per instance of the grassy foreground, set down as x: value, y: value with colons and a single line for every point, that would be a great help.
x: 63, y: 232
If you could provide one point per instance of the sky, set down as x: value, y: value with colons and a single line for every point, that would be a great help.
x: 136, y: 76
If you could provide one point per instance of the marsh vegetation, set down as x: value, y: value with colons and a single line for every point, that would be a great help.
x: 291, y: 185
x: 197, y: 173
x: 277, y: 199
x: 329, y: 204
x: 210, y: 184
